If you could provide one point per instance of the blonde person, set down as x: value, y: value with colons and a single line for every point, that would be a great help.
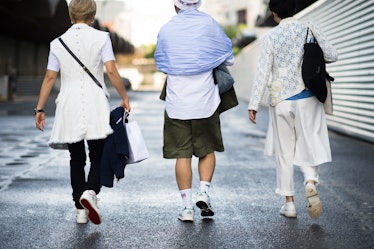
x: 299, y: 131
x: 189, y: 46
x: 82, y: 108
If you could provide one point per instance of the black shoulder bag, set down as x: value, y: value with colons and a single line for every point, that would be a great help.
x: 80, y: 63
x: 313, y: 69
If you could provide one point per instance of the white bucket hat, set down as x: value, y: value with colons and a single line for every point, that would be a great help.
x: 186, y: 4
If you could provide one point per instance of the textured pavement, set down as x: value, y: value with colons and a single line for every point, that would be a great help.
x: 140, y: 211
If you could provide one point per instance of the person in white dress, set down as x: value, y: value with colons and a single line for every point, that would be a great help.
x: 82, y: 107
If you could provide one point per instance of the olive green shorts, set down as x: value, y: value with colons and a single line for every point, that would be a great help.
x: 198, y: 137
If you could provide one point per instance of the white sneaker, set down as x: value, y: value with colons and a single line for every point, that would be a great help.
x: 288, y: 210
x: 82, y: 216
x: 89, y: 201
x: 187, y: 214
x: 203, y: 202
x: 314, y: 203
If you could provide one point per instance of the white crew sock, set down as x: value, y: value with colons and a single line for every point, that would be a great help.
x: 186, y: 195
x: 204, y: 187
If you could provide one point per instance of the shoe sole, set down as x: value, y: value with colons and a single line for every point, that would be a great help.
x: 93, y: 214
x: 314, y: 203
x: 186, y: 219
x: 205, y: 210
x: 291, y: 215
x: 82, y: 221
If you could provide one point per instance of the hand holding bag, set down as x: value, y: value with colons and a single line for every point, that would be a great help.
x: 137, y: 148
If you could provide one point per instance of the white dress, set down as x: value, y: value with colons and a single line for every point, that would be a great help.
x: 82, y: 107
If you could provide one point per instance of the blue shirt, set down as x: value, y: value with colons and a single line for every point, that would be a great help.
x: 304, y: 94
x: 191, y: 43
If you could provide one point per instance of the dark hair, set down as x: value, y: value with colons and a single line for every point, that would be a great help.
x: 284, y: 8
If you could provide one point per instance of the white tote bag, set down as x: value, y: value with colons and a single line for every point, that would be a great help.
x: 137, y: 148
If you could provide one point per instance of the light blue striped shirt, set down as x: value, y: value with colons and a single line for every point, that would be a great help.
x: 191, y: 43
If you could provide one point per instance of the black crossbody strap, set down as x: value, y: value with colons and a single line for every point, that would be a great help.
x: 80, y: 63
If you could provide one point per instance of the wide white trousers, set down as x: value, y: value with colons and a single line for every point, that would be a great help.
x: 297, y: 135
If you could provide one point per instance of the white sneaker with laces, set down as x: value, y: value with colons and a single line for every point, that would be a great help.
x: 187, y: 214
x: 89, y: 201
x: 82, y: 216
x: 288, y: 210
x: 314, y: 203
x: 203, y: 202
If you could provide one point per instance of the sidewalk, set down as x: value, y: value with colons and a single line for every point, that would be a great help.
x: 24, y: 105
x: 140, y: 211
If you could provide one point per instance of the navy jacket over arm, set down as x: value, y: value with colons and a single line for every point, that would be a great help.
x: 116, y: 150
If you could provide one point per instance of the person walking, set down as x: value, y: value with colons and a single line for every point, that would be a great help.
x: 82, y: 108
x: 188, y: 48
x: 298, y: 128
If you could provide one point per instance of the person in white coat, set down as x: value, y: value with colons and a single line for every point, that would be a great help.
x: 82, y: 107
x: 298, y: 130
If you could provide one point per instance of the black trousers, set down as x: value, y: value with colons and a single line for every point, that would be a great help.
x: 77, y: 164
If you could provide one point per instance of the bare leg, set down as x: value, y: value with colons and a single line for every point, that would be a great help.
x: 207, y: 165
x: 183, y: 173
x: 289, y: 198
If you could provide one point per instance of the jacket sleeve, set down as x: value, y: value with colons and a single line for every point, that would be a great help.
x: 120, y: 143
x: 106, y: 170
x: 329, y: 52
x: 262, y: 75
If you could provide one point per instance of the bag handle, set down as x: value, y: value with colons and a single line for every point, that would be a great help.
x: 80, y: 63
x: 306, y: 37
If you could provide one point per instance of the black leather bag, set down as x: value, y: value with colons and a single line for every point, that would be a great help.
x: 313, y: 69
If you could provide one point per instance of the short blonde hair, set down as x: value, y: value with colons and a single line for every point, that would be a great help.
x: 82, y: 10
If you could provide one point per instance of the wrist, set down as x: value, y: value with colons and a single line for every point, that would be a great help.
x: 36, y: 111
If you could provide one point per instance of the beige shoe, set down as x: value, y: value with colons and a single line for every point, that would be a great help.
x: 314, y: 203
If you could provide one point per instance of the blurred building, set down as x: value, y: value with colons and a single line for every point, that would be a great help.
x: 135, y: 20
x: 235, y: 12
x: 27, y: 27
x: 245, y: 14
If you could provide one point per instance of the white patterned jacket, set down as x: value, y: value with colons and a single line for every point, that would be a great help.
x: 280, y: 60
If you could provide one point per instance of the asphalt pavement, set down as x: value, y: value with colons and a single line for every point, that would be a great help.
x: 140, y: 211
